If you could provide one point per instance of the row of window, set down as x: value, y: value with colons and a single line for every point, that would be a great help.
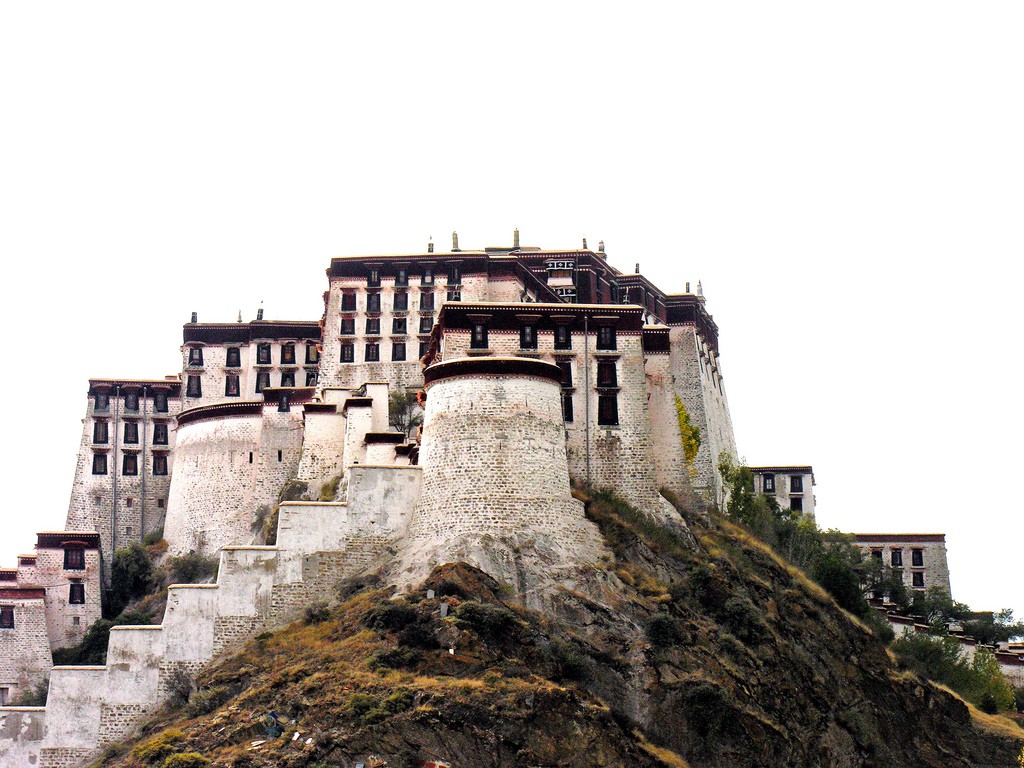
x: 76, y: 596
x: 399, y: 326
x: 606, y: 337
x: 896, y: 557
x: 101, y: 432
x: 232, y: 383
x: 371, y: 352
x: 399, y: 304
x: 796, y: 483
x: 454, y: 273
x: 129, y: 464
x: 101, y: 401
x: 263, y: 355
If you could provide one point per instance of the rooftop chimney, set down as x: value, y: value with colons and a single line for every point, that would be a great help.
x: 700, y: 289
x: 195, y: 317
x: 430, y: 246
x: 239, y: 315
x: 600, y: 246
x: 455, y: 242
x: 515, y: 238
x: 259, y: 313
x: 687, y: 286
x: 636, y: 269
x: 584, y: 243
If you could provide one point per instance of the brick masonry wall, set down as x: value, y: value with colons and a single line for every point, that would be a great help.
x: 323, y: 447
x: 935, y: 569
x: 25, y: 659
x: 63, y: 757
x: 63, y: 629
x: 117, y: 720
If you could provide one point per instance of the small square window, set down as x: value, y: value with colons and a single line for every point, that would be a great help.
x: 348, y: 326
x: 401, y: 302
x: 373, y: 278
x: 194, y: 387
x: 195, y: 356
x: 74, y: 559
x: 607, y: 375
x: 99, y: 463
x: 99, y: 431
x: 398, y: 351
x: 262, y: 381
x: 398, y: 326
x: 796, y: 484
x: 917, y: 558
x: 566, y: 368
x: 348, y: 302
x: 131, y: 401
x: 6, y: 617
x: 130, y: 464
x: 608, y: 410
x: 287, y: 354
x: 373, y: 302
x: 567, y: 406
x: 896, y: 558
x: 160, y: 503
x: 528, y: 337
x: 918, y: 579
x: 101, y: 401
x: 401, y: 276
x: 796, y: 503
x: 160, y: 433
x: 234, y: 357
x: 310, y: 378
x: 563, y: 338
x: 76, y: 593
x: 424, y: 348
x: 372, y: 354
x: 159, y: 468
x: 373, y: 326
x: 454, y: 275
x: 160, y: 402
x: 131, y: 432
x: 347, y: 353
x: 455, y: 295
x: 426, y: 324
x: 768, y: 483
x: 231, y: 385
x: 478, y: 340
x: 263, y: 354
x: 287, y: 378
x: 427, y: 301
x: 428, y: 276
x: 76, y: 621
x: 312, y: 353
x: 606, y: 337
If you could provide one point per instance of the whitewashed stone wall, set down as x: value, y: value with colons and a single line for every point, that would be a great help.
x: 935, y: 567
x: 323, y: 445
x: 67, y: 623
x: 21, y: 735
x: 666, y: 441
x: 25, y: 658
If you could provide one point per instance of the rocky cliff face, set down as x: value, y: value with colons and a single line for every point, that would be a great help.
x: 670, y: 653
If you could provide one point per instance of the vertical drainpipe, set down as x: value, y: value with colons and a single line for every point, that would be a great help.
x: 142, y: 501
x: 113, y: 469
x: 586, y: 389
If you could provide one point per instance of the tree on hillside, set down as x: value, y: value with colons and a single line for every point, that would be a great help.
x: 404, y: 412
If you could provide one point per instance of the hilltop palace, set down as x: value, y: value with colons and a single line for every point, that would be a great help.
x: 535, y: 369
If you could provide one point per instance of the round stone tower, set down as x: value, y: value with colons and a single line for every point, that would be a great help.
x: 495, y: 476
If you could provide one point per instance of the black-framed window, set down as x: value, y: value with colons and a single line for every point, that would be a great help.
x: 566, y: 368
x: 287, y: 378
x: 130, y: 464
x: 159, y: 465
x: 6, y: 617
x: 563, y: 338
x: 428, y: 275
x: 796, y: 484
x: 606, y: 337
x: 312, y: 353
x: 288, y: 354
x: 401, y: 302
x: 478, y: 337
x: 348, y: 302
x: 607, y: 375
x: 398, y: 351
x: 528, y: 337
x: 99, y: 431
x: 401, y: 276
x: 917, y: 558
x: 284, y: 404
x: 231, y: 385
x: 896, y: 558
x: 131, y: 401
x: 101, y: 401
x: 74, y: 559
x: 373, y: 302
x: 347, y: 353
x: 373, y: 326
x: 310, y: 378
x: 160, y: 401
x: 454, y: 274
x: 99, y: 463
x: 348, y: 326
x: 797, y: 503
x: 262, y: 380
x: 195, y: 356
x: 131, y: 432
x: 768, y: 483
x: 876, y: 554
x: 426, y: 324
x: 160, y: 433
x: 372, y: 353
x: 424, y: 348
x: 194, y: 388
x: 455, y: 295
x: 607, y: 410
x: 427, y: 301
x: 263, y: 354
x: 398, y: 326
x: 76, y: 593
x: 234, y: 357
x: 567, y: 406
x: 373, y: 277
x: 918, y: 579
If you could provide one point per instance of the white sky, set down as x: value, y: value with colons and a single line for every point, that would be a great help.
x: 845, y: 179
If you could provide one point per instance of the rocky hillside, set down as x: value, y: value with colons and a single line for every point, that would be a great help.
x: 670, y: 654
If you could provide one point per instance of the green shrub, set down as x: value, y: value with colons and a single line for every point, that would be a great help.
x: 392, y: 616
x: 34, y: 696
x: 153, y: 537
x: 317, y: 613
x: 569, y: 662
x: 204, y: 701
x: 329, y: 490
x: 157, y: 747
x: 942, y: 659
x: 664, y: 630
x: 186, y: 760
x: 741, y: 616
x: 130, y: 574
x: 192, y: 568
x: 491, y: 622
x: 706, y: 706
x: 92, y: 650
